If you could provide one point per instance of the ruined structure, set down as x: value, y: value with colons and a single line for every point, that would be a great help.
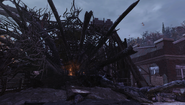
x: 65, y: 52
x: 99, y: 47
x: 66, y: 47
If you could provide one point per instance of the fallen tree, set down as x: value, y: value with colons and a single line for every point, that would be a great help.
x: 140, y: 94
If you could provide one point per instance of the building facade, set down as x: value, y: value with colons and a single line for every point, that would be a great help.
x: 166, y: 59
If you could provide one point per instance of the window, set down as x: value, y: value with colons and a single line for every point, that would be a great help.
x: 178, y: 71
x: 154, y: 70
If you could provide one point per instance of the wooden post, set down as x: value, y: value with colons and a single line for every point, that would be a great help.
x: 182, y: 74
x: 3, y: 83
x: 141, y: 82
x: 60, y: 25
x: 112, y: 28
x: 20, y: 84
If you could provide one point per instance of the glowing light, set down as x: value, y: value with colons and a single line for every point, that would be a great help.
x: 72, y: 68
x: 70, y: 72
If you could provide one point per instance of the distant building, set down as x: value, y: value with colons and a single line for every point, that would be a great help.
x: 167, y: 57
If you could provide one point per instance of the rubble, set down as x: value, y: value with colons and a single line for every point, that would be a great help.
x: 45, y: 95
x: 33, y: 95
x: 81, y: 95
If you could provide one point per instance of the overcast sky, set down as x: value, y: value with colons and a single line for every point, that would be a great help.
x: 149, y: 12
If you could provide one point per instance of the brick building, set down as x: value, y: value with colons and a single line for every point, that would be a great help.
x: 166, y: 58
